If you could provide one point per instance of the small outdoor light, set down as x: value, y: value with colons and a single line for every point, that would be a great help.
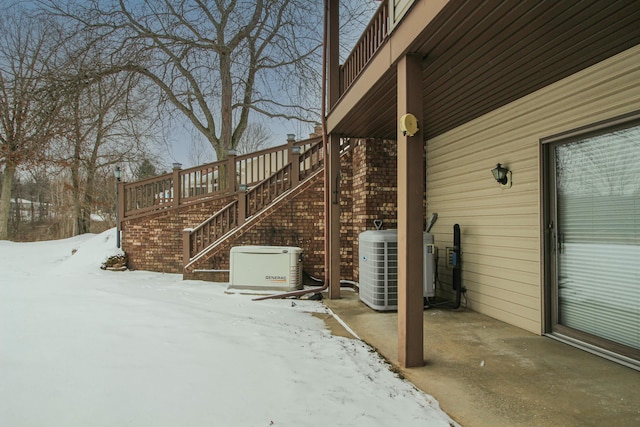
x: 291, y: 137
x: 117, y: 173
x: 177, y: 165
x: 296, y: 149
x: 232, y: 152
x: 502, y: 175
x: 242, y: 187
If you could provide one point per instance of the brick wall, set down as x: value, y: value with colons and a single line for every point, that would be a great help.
x: 154, y: 242
x: 375, y: 192
x: 295, y: 220
x: 367, y: 192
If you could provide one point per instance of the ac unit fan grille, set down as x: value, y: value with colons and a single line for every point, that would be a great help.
x: 379, y: 274
x: 378, y: 260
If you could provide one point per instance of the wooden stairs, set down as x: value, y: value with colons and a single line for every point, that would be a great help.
x: 251, y: 185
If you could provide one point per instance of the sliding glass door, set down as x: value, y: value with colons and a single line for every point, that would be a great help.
x: 594, y: 224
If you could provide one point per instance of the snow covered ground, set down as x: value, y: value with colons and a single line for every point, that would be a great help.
x: 80, y: 346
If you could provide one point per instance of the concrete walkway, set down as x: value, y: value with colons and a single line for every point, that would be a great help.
x: 487, y: 373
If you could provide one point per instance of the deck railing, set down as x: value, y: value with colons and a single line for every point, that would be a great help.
x: 186, y: 186
x: 373, y: 37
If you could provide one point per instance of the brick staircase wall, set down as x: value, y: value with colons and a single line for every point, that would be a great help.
x: 368, y: 192
x: 295, y: 220
x: 154, y: 242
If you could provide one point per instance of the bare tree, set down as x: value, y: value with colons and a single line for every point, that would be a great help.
x: 256, y: 137
x: 198, y: 153
x: 28, y: 105
x: 215, y: 61
x: 108, y: 122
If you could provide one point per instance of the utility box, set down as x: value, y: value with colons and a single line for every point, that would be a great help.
x: 378, y: 262
x: 271, y: 268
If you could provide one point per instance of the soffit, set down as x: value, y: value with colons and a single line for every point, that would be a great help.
x: 482, y: 55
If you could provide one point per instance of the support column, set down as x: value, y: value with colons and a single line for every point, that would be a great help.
x: 332, y: 155
x: 333, y: 187
x: 410, y: 216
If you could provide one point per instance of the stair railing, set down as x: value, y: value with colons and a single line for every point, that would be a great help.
x: 196, y: 240
x: 250, y: 201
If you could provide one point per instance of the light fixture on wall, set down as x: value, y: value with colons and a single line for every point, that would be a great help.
x: 502, y: 175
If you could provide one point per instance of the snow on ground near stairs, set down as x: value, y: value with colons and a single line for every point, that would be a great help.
x: 80, y: 346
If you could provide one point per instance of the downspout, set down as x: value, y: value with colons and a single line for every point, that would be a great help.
x: 327, y: 199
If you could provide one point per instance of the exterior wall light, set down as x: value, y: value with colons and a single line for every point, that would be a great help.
x: 502, y: 175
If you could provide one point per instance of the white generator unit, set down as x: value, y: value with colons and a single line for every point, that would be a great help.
x: 271, y: 268
x: 378, y: 255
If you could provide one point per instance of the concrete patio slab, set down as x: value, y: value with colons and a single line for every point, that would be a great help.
x: 487, y: 373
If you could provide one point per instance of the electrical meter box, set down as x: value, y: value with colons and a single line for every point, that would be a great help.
x: 275, y: 268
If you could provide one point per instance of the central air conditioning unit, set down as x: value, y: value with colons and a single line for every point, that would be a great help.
x: 269, y: 268
x: 378, y: 255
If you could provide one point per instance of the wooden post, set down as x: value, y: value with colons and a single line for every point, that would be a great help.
x: 332, y: 157
x: 186, y: 246
x: 231, y: 172
x: 177, y: 167
x: 294, y: 155
x: 242, y: 204
x: 333, y: 163
x: 410, y: 216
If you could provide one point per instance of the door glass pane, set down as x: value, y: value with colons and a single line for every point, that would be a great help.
x: 598, y: 211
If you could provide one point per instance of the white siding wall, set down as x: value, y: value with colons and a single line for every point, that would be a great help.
x: 501, y: 236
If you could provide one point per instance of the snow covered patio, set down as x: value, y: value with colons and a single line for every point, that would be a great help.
x: 80, y: 346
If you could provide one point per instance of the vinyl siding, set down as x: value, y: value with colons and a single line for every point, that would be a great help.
x: 501, y: 232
